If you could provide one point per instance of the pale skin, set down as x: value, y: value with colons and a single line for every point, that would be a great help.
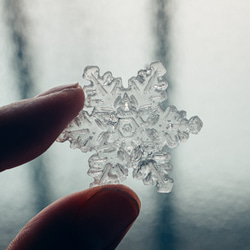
x: 96, y: 218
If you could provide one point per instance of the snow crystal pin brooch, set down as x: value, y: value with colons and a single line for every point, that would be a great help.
x: 129, y: 127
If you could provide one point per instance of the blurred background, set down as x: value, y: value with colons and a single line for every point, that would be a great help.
x: 205, y: 46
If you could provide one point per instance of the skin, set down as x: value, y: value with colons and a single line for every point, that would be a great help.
x: 95, y: 218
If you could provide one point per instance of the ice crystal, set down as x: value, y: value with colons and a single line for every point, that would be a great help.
x: 129, y: 127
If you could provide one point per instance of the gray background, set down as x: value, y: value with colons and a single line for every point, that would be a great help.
x: 206, y: 48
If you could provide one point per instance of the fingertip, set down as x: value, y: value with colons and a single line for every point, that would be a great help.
x: 96, y: 218
x: 29, y: 127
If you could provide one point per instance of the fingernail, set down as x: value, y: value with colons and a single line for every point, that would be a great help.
x: 60, y: 88
x: 108, y: 215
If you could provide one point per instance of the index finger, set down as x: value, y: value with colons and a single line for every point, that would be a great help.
x: 30, y: 126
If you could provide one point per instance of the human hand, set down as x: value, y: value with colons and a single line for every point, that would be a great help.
x: 96, y: 218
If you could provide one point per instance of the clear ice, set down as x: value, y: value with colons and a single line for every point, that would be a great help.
x: 129, y: 127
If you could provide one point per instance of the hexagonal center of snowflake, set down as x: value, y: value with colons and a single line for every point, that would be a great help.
x: 127, y: 127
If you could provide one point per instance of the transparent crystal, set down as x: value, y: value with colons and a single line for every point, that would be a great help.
x: 129, y: 127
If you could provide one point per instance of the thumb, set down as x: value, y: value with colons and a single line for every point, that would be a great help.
x: 96, y: 218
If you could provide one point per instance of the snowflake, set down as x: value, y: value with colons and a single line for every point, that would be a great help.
x: 129, y: 127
